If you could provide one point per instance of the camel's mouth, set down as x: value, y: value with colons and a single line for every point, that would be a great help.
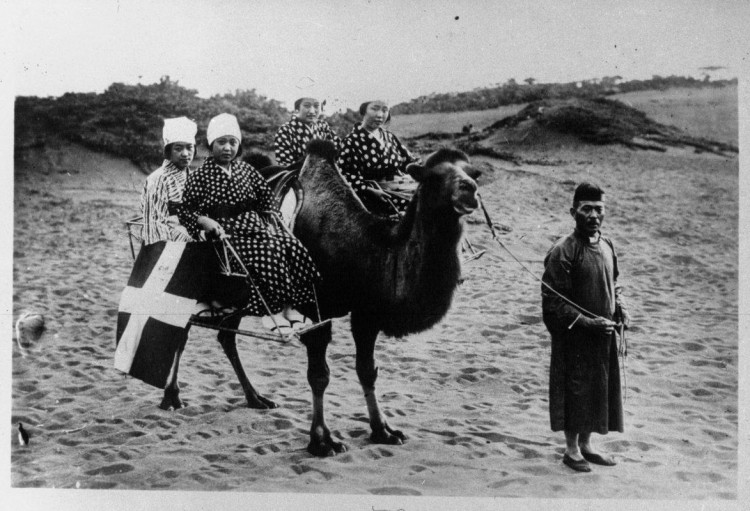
x: 465, y: 209
x: 465, y: 199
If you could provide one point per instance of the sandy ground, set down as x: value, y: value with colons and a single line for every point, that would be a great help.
x: 471, y: 394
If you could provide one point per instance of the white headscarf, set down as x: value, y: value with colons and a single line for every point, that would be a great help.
x: 221, y: 126
x: 179, y: 129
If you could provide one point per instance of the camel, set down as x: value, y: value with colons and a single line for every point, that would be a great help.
x: 396, y: 279
x: 393, y: 278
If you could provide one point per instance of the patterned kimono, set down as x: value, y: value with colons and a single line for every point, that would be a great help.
x: 278, y: 263
x: 364, y: 158
x: 291, y: 139
x: 163, y: 187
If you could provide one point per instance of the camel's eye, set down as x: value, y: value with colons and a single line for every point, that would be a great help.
x: 466, y: 186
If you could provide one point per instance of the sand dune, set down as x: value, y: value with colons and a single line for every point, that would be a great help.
x: 471, y: 394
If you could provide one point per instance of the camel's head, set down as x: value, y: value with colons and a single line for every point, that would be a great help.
x: 447, y: 180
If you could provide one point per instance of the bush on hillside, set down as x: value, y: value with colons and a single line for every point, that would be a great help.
x: 126, y: 120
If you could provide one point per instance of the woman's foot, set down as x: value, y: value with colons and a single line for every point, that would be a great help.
x: 278, y: 324
x: 297, y: 319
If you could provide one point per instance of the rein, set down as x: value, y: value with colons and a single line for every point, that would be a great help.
x: 622, y: 349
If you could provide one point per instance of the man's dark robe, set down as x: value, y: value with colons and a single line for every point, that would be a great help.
x: 584, y: 385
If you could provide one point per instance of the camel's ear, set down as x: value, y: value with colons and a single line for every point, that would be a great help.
x: 416, y: 171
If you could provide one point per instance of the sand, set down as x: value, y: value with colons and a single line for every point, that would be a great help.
x: 471, y: 394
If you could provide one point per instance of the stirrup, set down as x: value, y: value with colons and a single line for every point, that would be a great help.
x: 473, y: 254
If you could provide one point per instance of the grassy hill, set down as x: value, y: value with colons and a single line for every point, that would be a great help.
x: 710, y: 113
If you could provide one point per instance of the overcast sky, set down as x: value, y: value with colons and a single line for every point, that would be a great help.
x: 353, y: 50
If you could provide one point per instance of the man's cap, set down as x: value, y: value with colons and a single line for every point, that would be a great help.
x: 588, y: 192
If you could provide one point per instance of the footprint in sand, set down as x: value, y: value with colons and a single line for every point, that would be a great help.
x: 693, y: 346
x: 213, y: 458
x: 192, y: 411
x: 377, y: 453
x: 99, y: 485
x: 271, y: 448
x: 394, y: 490
x: 522, y: 481
x: 357, y: 433
x: 305, y: 469
x: 701, y: 393
x: 715, y: 435
x: 705, y: 477
x: 717, y: 385
x: 117, y: 468
x: 202, y: 435
x: 416, y: 469
x: 626, y: 446
x: 477, y: 406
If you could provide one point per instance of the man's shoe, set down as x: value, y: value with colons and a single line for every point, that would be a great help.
x: 598, y: 459
x: 577, y: 465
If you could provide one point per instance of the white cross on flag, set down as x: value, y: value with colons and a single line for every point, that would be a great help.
x: 155, y: 308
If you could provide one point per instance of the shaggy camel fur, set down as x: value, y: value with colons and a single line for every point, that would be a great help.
x: 396, y: 279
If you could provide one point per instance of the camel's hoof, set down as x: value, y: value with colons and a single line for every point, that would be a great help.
x: 172, y: 404
x: 388, y: 437
x: 260, y: 403
x: 325, y: 448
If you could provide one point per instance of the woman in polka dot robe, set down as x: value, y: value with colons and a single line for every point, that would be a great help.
x: 224, y: 196
x: 371, y: 159
x: 290, y: 142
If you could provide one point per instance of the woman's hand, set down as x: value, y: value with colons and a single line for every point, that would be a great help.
x: 378, y: 194
x: 212, y: 227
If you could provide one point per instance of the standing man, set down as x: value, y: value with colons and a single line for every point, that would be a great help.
x: 292, y: 137
x: 584, y: 385
x: 162, y: 193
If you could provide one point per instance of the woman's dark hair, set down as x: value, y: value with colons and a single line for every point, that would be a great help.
x: 363, y: 109
x: 211, y: 149
x: 168, y: 149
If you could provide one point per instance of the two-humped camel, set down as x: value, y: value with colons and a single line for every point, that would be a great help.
x: 396, y: 279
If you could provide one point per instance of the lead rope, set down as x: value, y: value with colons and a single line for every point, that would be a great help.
x: 623, y: 348
x: 623, y: 352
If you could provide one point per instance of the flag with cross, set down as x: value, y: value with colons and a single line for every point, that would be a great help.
x: 155, y: 308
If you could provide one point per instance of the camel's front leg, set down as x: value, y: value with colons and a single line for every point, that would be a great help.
x: 228, y: 342
x: 318, y: 376
x: 171, y: 400
x: 365, y: 333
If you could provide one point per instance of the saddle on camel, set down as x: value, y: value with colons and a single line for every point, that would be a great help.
x: 396, y: 278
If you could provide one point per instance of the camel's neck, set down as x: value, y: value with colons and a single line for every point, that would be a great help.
x: 427, y: 263
x: 434, y: 229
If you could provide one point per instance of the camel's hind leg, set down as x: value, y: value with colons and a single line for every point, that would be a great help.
x: 318, y: 376
x: 228, y: 342
x: 171, y: 399
x: 365, y: 332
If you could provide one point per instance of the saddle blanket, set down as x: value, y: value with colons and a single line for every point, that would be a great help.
x: 160, y: 297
